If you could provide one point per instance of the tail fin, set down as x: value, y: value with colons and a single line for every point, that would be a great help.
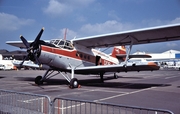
x: 118, y: 50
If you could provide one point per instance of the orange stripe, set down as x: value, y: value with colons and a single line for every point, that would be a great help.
x: 154, y: 65
x: 74, y: 54
x: 69, y: 53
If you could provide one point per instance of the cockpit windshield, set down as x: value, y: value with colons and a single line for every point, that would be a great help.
x: 66, y: 44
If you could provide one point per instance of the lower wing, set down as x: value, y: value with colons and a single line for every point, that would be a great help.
x: 139, y: 66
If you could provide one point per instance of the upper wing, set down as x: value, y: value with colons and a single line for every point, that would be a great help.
x: 139, y: 66
x: 139, y: 36
x: 19, y: 43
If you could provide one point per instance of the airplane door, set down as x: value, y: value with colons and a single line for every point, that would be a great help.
x: 98, y: 60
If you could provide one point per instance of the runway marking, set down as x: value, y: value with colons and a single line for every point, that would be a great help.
x: 77, y: 92
x: 171, y: 77
x: 128, y: 93
x: 87, y: 90
x: 152, y: 76
x: 9, y: 83
x: 104, y: 90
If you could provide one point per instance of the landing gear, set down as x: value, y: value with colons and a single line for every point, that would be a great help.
x: 50, y: 73
x: 74, y: 83
x: 38, y: 80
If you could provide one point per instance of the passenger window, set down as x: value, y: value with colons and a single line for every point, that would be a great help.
x: 81, y: 55
x: 84, y: 56
x: 88, y: 57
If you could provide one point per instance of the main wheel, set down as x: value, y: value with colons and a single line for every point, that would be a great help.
x: 74, y: 83
x: 38, y: 80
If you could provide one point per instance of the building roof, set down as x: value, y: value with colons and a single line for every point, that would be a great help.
x: 171, y: 51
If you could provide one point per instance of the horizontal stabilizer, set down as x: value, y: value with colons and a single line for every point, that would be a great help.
x: 120, y: 56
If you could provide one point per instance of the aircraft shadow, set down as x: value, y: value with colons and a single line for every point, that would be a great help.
x: 112, y: 77
x: 1, y: 77
x: 125, y: 85
x: 47, y: 82
x: 63, y: 81
x: 98, y: 83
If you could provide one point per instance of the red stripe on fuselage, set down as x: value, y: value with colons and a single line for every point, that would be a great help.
x: 69, y: 53
x: 75, y: 55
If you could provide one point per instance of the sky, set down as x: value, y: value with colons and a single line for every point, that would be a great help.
x: 85, y: 18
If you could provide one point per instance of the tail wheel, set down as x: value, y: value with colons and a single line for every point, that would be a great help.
x: 74, y: 83
x: 115, y: 76
x: 38, y: 80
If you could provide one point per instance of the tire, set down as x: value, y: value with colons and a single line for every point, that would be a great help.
x: 38, y: 80
x: 74, y: 83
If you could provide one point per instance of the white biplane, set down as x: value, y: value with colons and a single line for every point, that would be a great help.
x: 79, y: 56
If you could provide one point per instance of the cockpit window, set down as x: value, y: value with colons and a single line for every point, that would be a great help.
x: 52, y: 41
x: 61, y: 43
x: 66, y: 44
x: 56, y: 42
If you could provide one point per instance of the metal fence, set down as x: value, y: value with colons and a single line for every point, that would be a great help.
x: 12, y: 102
x: 76, y: 106
x: 23, y: 103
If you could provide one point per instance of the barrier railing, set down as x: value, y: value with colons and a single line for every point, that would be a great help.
x: 76, y: 106
x: 12, y: 102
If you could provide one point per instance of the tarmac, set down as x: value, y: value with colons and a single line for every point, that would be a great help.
x: 157, y: 89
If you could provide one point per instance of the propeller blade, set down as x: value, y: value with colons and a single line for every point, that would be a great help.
x: 36, y: 59
x: 24, y: 41
x: 23, y: 61
x: 38, y: 37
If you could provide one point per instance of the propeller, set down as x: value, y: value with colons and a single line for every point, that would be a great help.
x: 33, y: 48
x: 24, y: 42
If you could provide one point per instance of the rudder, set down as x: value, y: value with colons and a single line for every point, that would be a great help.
x: 118, y: 50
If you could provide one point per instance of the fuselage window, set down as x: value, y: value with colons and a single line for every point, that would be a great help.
x: 81, y: 55
x: 88, y: 57
x: 84, y: 56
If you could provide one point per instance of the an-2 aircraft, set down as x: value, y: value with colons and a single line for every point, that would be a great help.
x: 79, y: 56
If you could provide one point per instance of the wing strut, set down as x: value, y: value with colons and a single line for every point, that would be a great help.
x: 129, y: 50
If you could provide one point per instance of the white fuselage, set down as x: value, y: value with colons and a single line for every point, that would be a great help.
x: 63, y: 58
